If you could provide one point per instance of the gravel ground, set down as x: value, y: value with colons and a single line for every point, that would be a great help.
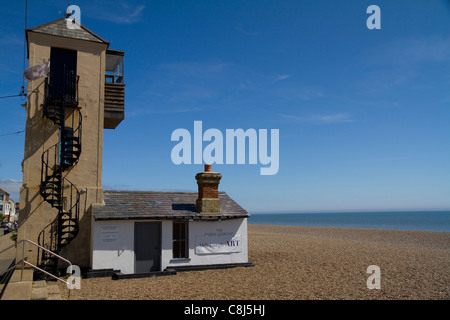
x: 302, y: 263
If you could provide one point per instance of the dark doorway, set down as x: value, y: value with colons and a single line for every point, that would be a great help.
x: 63, y: 71
x: 147, y: 246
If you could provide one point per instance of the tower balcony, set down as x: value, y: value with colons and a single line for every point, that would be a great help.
x: 114, y: 89
x: 61, y: 88
x: 61, y: 91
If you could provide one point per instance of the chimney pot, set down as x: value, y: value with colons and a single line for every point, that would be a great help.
x: 208, y: 191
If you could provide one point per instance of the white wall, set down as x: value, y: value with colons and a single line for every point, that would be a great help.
x: 113, y: 244
x: 117, y: 252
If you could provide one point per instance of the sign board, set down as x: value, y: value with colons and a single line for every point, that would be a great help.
x: 109, y: 234
x: 213, y: 243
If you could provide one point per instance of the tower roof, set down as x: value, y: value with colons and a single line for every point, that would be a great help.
x: 59, y: 28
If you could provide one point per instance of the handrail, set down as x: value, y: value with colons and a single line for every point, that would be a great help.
x: 46, y: 161
x: 23, y: 262
x: 53, y: 239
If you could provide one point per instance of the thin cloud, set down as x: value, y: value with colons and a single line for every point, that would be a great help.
x: 241, y: 29
x: 12, y: 187
x: 122, y: 13
x: 181, y: 86
x: 194, y: 69
x: 282, y: 77
x: 322, y: 119
x: 408, y: 51
x: 295, y: 93
x: 116, y: 187
x: 399, y: 63
x: 161, y: 110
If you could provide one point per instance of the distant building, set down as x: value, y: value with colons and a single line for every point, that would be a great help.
x: 4, y: 198
x: 7, y: 206
x: 12, y: 217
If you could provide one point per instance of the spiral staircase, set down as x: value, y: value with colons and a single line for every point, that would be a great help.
x: 61, y: 107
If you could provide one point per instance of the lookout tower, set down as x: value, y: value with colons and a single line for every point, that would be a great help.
x: 66, y: 111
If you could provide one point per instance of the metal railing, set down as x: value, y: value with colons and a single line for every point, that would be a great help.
x: 66, y: 222
x: 23, y: 262
x: 50, y: 170
x: 61, y: 87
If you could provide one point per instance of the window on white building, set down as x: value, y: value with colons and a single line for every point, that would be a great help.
x: 180, y: 239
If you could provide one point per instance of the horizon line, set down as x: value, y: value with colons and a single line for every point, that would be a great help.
x: 351, y: 211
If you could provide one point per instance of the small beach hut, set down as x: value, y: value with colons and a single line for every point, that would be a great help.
x: 140, y: 232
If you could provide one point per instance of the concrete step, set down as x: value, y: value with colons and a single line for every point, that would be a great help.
x: 22, y: 287
x: 39, y: 290
x: 53, y: 291
x: 19, y: 286
x: 45, y: 290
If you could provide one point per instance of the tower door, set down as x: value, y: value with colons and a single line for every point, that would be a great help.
x: 63, y: 70
x: 147, y: 246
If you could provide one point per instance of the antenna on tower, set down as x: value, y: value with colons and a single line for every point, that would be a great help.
x: 65, y: 13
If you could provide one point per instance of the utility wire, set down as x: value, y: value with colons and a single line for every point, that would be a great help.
x: 16, y: 95
x: 22, y: 91
x: 9, y: 134
x: 21, y: 94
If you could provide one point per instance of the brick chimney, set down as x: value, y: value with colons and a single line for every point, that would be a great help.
x: 208, y: 190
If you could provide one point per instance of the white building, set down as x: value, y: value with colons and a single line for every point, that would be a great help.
x: 7, y: 206
x: 141, y: 232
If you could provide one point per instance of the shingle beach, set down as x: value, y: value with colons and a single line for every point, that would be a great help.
x: 303, y: 263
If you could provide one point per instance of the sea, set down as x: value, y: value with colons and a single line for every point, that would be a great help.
x: 395, y: 220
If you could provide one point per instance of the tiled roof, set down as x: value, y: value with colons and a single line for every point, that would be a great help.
x: 59, y: 28
x: 161, y: 205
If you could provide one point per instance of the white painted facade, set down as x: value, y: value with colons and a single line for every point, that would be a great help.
x: 210, y: 243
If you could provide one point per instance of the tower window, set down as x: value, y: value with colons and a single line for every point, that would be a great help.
x: 114, y: 67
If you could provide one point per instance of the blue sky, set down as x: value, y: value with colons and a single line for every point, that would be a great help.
x: 363, y: 114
